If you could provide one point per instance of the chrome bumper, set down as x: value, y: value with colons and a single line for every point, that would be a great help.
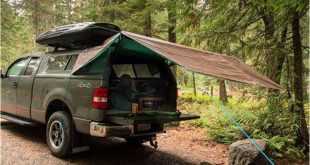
x: 100, y: 130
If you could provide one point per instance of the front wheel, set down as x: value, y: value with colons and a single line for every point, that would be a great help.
x: 59, y: 134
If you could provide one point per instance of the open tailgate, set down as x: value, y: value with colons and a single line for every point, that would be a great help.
x: 150, y: 117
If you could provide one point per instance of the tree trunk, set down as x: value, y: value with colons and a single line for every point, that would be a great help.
x: 298, y: 84
x: 35, y: 16
x: 69, y: 10
x: 272, y: 63
x: 222, y: 91
x: 222, y: 86
x: 112, y: 14
x: 275, y: 57
x: 148, y: 23
x: 194, y: 84
x: 280, y: 57
x: 172, y: 21
x: 95, y: 16
x: 289, y: 79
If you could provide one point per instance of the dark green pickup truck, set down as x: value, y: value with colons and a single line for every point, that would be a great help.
x: 113, y: 87
x: 104, y: 82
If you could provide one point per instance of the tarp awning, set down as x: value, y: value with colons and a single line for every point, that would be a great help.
x: 90, y: 54
x: 209, y: 63
x: 204, y: 62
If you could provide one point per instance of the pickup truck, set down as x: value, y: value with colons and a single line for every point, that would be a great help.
x: 130, y: 96
x: 104, y: 82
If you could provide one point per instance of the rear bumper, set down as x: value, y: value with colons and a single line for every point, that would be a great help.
x: 100, y: 130
x: 126, y: 126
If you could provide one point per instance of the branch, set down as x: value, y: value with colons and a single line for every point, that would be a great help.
x: 237, y: 29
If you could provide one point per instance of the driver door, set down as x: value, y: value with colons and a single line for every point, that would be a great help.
x: 9, y: 85
x: 25, y: 87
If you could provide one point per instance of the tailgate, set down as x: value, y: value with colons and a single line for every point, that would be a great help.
x: 150, y: 117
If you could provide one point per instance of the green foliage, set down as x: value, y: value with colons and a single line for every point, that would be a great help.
x: 16, y: 35
x: 271, y: 123
x: 278, y: 127
x: 219, y: 128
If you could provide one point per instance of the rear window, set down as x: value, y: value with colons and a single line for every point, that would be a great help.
x: 137, y: 70
x: 147, y: 71
x: 124, y: 69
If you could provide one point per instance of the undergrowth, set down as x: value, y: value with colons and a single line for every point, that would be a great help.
x: 274, y: 123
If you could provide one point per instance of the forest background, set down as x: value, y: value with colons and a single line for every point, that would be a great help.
x: 270, y: 35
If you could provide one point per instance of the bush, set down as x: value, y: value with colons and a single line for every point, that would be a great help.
x: 273, y: 123
x: 219, y: 128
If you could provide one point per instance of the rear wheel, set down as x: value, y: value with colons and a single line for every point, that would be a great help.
x: 59, y: 134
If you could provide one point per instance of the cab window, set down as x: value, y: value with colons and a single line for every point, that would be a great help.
x: 17, y: 68
x: 32, y: 66
x: 71, y: 63
x: 57, y: 63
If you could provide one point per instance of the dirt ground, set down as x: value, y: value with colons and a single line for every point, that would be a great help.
x: 180, y: 146
x: 184, y: 145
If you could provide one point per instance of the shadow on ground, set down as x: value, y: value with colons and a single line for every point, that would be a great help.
x: 110, y: 151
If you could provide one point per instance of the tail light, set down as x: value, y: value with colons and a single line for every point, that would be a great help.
x: 100, y: 98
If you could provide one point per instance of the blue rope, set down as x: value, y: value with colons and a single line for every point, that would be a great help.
x: 230, y: 117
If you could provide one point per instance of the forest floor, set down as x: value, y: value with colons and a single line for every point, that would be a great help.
x: 179, y: 146
x: 182, y: 145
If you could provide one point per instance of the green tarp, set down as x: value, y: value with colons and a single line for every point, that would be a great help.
x: 208, y: 63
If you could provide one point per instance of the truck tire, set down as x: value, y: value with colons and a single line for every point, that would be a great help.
x: 60, y: 133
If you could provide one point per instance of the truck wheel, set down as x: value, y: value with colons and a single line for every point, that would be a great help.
x: 59, y: 134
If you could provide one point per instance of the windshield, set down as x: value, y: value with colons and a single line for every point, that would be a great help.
x: 137, y: 70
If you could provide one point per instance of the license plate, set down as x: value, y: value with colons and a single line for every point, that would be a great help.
x: 97, y: 130
x: 143, y: 127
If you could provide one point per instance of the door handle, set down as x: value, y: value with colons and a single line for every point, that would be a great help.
x: 14, y: 84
